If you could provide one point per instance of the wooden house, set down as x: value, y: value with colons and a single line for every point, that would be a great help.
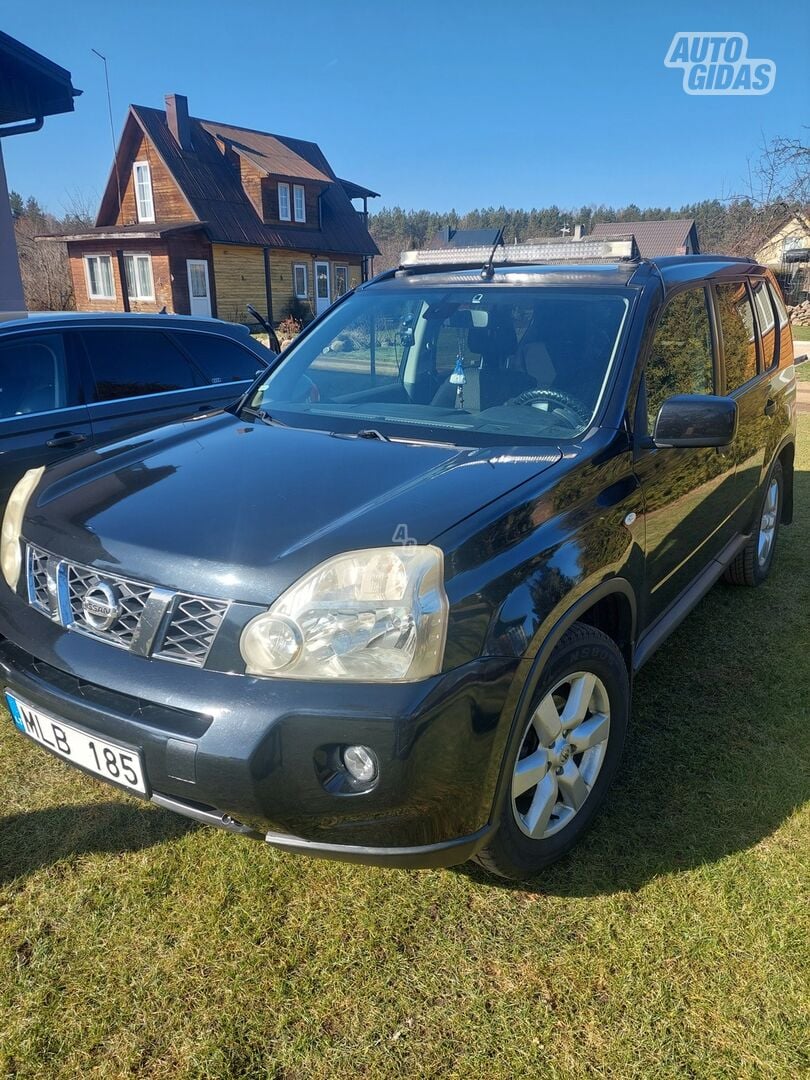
x: 204, y: 218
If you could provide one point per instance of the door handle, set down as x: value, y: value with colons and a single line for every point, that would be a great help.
x: 64, y: 439
x: 770, y: 407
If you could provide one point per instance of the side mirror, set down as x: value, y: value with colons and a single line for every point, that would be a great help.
x: 696, y: 420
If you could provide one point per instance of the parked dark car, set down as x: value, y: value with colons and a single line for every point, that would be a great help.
x: 72, y: 381
x: 389, y: 607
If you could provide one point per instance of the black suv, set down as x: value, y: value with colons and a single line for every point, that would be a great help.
x: 388, y: 608
x: 72, y: 381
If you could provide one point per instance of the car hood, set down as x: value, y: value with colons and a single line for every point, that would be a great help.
x: 228, y: 508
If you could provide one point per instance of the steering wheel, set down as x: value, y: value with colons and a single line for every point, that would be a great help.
x: 306, y: 390
x: 570, y: 408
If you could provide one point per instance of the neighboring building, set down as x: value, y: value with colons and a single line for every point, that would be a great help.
x: 787, y: 252
x: 677, y: 236
x: 204, y: 218
x: 790, y: 243
x: 31, y: 88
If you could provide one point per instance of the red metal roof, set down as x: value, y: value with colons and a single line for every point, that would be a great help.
x: 213, y: 188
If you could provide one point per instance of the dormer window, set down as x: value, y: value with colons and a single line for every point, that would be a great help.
x: 144, y: 203
x: 299, y: 202
x: 284, y: 202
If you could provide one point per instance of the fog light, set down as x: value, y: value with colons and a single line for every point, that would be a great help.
x: 360, y: 763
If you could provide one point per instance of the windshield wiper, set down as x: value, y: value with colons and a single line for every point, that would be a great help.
x: 252, y: 413
x: 364, y: 433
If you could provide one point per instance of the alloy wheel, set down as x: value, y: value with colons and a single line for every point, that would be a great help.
x: 561, y: 754
x: 767, y: 525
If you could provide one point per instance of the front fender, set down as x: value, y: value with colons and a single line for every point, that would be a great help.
x: 512, y: 581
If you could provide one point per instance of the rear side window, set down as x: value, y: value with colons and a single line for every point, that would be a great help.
x: 33, y: 375
x: 739, y: 341
x: 785, y: 354
x: 131, y: 363
x: 766, y: 316
x: 681, y: 359
x: 219, y: 359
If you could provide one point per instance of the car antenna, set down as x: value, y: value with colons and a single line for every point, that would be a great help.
x: 488, y: 269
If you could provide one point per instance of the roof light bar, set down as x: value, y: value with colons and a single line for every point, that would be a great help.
x: 611, y: 249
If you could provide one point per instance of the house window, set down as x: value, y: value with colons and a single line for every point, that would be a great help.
x: 300, y: 278
x: 341, y: 280
x: 143, y: 191
x: 284, y: 202
x: 300, y: 202
x: 138, y: 270
x: 99, y: 272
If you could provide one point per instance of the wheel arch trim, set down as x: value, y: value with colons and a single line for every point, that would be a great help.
x: 608, y: 587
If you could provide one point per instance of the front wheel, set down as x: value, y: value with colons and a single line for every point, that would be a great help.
x: 566, y: 757
x: 753, y: 564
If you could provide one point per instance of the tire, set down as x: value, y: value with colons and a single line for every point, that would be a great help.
x: 751, y: 566
x: 585, y: 677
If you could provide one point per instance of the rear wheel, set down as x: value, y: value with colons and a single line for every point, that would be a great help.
x: 753, y: 564
x: 567, y: 755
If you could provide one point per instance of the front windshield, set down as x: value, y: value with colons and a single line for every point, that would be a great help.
x: 474, y: 365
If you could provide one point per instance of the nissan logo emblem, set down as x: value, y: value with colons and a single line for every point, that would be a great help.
x: 101, y: 606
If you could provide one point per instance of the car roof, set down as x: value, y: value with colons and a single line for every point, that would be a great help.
x: 26, y: 320
x: 671, y: 271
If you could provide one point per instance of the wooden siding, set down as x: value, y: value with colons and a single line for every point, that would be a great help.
x: 161, y: 275
x: 283, y: 286
x: 251, y: 182
x: 169, y: 272
x: 169, y: 203
x: 185, y: 246
x: 269, y: 203
x: 239, y: 276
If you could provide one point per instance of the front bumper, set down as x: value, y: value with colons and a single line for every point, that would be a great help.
x: 248, y: 754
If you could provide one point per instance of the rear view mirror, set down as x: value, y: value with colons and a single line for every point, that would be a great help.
x: 696, y: 420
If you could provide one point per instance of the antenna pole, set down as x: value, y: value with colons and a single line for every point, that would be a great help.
x: 112, y: 126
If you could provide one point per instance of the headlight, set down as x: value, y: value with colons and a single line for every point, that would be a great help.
x: 372, y: 616
x: 10, y: 554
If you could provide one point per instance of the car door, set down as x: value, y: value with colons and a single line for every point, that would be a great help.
x: 688, y: 493
x: 138, y: 379
x: 227, y: 367
x: 744, y: 381
x: 43, y: 417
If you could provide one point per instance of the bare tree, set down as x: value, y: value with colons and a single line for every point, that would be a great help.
x: 79, y: 209
x: 44, y: 268
x: 777, y: 186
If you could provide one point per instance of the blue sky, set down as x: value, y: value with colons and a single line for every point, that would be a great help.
x: 434, y: 103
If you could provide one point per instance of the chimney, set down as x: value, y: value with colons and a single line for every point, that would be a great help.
x: 579, y: 232
x: 178, y: 121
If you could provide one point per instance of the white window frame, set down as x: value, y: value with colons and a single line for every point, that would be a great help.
x: 300, y: 192
x: 284, y: 204
x: 305, y: 294
x: 139, y: 255
x: 345, y: 268
x: 145, y: 212
x: 97, y: 257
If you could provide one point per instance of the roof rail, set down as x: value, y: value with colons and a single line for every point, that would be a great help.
x: 587, y: 250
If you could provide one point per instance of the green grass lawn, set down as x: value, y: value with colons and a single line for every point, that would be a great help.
x: 801, y: 333
x: 672, y: 943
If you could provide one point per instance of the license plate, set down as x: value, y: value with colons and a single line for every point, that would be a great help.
x: 98, y: 756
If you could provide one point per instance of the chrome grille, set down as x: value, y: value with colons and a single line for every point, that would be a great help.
x: 132, y: 597
x: 150, y: 621
x: 38, y: 593
x: 192, y: 628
